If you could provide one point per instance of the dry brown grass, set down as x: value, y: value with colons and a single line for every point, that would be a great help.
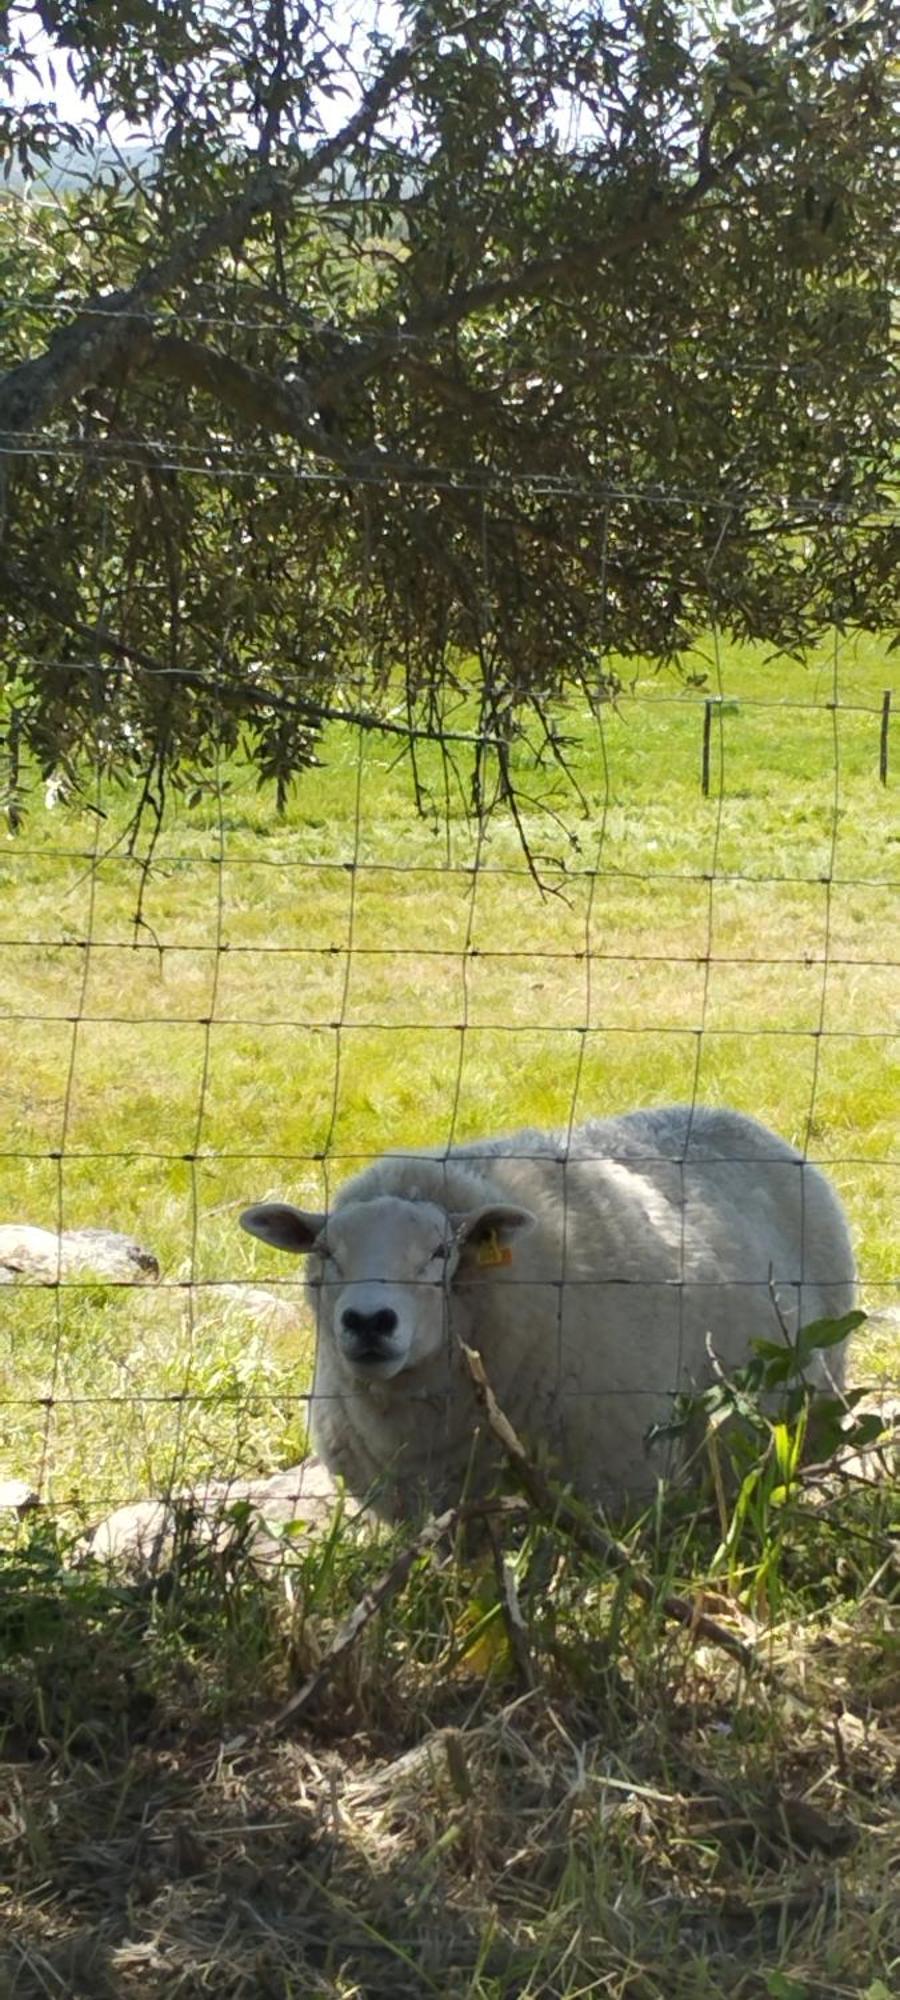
x: 700, y: 1843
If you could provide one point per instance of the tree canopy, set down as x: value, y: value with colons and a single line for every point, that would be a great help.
x: 438, y: 358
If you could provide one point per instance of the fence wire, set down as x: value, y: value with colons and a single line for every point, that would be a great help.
x: 382, y: 968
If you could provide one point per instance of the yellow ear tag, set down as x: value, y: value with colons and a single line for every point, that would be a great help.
x: 492, y: 1251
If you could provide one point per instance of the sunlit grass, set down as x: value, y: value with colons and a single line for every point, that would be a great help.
x: 304, y: 991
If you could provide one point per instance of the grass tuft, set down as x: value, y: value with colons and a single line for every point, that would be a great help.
x: 641, y: 1820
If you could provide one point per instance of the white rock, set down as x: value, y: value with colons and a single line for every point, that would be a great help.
x: 42, y: 1257
x: 17, y: 1497
x: 140, y: 1535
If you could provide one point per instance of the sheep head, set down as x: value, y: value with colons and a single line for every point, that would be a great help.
x: 380, y: 1271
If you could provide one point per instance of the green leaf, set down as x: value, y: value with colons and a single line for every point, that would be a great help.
x: 864, y: 1431
x: 780, y: 1987
x: 827, y: 1332
x: 780, y: 1369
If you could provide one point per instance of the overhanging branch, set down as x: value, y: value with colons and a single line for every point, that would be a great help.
x: 101, y: 335
x: 250, y: 393
x: 251, y: 698
x: 538, y: 277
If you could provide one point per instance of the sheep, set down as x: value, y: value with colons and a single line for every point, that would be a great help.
x: 597, y: 1271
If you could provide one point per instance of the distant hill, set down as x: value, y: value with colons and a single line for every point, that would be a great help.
x: 69, y: 168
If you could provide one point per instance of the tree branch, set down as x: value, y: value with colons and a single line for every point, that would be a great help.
x: 535, y: 279
x: 249, y: 696
x: 102, y: 333
x: 288, y: 406
x: 275, y: 405
x: 251, y: 393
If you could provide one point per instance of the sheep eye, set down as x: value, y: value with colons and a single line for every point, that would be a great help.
x: 440, y: 1255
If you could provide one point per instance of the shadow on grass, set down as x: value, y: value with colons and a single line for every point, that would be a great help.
x: 639, y: 1823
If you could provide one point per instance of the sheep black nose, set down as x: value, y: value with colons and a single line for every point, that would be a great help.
x: 369, y: 1326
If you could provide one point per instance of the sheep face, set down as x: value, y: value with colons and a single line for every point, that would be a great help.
x: 381, y: 1271
x: 380, y: 1282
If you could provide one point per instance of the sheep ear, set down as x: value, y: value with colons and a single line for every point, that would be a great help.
x: 498, y: 1222
x: 286, y: 1228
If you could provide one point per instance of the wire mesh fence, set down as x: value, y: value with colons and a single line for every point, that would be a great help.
x: 692, y: 900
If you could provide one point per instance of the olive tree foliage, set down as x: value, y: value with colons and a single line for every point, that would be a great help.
x: 417, y: 368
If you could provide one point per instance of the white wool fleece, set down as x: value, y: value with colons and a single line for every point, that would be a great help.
x: 597, y: 1272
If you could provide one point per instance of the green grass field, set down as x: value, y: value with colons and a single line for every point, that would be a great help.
x: 303, y: 991
x: 280, y: 1004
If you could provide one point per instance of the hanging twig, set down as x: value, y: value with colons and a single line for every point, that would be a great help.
x: 885, y: 731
